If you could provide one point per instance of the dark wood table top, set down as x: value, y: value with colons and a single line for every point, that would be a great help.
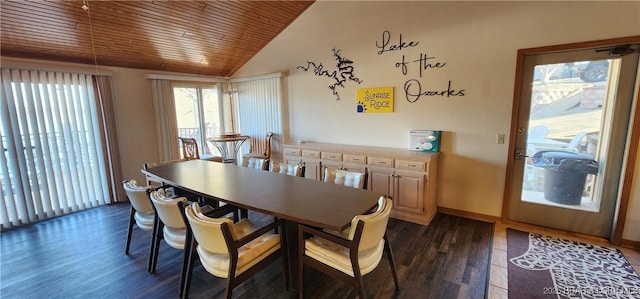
x: 291, y: 198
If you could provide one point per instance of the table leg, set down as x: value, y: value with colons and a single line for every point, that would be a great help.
x: 291, y: 231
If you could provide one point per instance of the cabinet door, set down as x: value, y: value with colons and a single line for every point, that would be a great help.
x: 409, y: 191
x: 381, y: 180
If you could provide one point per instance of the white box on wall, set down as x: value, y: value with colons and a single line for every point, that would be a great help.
x: 424, y: 140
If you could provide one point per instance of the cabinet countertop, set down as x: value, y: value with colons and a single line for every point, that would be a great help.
x: 396, y: 153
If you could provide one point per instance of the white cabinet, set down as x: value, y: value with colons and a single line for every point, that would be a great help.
x: 408, y: 178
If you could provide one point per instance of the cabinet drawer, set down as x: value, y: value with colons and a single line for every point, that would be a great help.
x: 378, y: 161
x: 331, y: 156
x: 354, y: 159
x: 412, y: 165
x: 311, y: 154
x: 291, y: 152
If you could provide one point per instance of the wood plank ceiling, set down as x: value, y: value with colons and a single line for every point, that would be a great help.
x: 198, y: 37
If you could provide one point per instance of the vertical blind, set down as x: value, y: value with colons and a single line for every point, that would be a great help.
x: 259, y: 105
x: 52, y: 159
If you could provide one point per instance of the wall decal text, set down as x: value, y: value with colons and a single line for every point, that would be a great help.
x: 384, y: 45
x: 413, y: 88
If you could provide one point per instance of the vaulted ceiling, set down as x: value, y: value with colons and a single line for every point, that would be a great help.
x: 199, y: 37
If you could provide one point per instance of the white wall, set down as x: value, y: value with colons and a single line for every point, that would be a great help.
x: 478, y: 42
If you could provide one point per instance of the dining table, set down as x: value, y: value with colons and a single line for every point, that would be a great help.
x: 296, y: 200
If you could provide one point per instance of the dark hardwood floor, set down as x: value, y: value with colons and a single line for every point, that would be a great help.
x: 82, y: 256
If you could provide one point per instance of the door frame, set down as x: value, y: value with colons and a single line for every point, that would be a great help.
x: 632, y: 147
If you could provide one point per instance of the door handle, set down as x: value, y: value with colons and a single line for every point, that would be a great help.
x: 519, y: 154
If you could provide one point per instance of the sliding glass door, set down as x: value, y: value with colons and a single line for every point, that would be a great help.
x: 199, y: 113
x: 52, y: 160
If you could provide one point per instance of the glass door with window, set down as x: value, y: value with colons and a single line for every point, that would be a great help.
x: 199, y: 114
x: 572, y: 129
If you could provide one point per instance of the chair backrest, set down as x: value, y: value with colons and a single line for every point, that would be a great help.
x: 344, y: 177
x: 206, y: 230
x: 288, y: 169
x: 375, y: 225
x: 255, y: 163
x: 575, y: 141
x: 167, y: 208
x: 190, y: 149
x: 264, y: 149
x: 138, y: 196
x: 267, y: 145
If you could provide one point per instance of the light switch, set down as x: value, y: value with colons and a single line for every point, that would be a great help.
x: 500, y: 139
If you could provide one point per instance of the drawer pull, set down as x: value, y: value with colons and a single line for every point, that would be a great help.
x: 411, y: 165
x: 381, y: 162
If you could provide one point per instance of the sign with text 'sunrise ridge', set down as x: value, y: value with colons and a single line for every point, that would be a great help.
x: 375, y: 100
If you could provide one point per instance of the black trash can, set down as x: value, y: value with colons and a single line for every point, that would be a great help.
x: 565, y: 174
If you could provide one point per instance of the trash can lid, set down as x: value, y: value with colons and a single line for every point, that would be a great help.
x: 565, y: 161
x: 561, y: 155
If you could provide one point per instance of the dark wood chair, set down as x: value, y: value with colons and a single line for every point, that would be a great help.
x: 142, y: 214
x: 190, y: 253
x: 190, y: 150
x: 347, y: 178
x: 264, y: 152
x: 255, y: 163
x: 288, y: 169
x: 235, y: 251
x: 350, y: 254
x: 169, y: 224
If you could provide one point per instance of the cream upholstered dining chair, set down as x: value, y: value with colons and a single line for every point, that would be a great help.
x: 288, y: 169
x: 263, y: 152
x: 350, y: 254
x: 255, y: 163
x: 235, y: 251
x: 343, y: 177
x: 190, y: 242
x: 142, y: 214
x: 169, y: 224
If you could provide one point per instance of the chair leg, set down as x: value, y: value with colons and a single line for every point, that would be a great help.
x: 359, y: 284
x: 230, y: 285
x: 392, y: 261
x: 130, y: 230
x: 155, y: 245
x: 236, y: 216
x: 187, y: 266
x: 301, y: 245
x: 357, y: 275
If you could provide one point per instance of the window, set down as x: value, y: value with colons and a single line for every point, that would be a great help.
x: 199, y: 113
x: 52, y: 159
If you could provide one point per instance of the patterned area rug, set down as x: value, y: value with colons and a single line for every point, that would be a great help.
x: 547, y: 267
